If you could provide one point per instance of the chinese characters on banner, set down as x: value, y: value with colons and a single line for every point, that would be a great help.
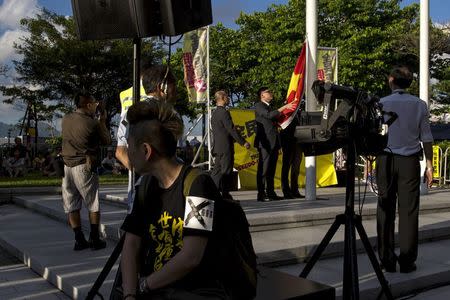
x: 327, y: 64
x: 195, y: 64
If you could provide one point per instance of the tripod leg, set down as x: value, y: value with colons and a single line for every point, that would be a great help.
x: 323, y: 244
x: 373, y: 259
x: 350, y: 288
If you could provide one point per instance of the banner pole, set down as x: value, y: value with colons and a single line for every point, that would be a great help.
x: 208, y: 105
x: 311, y: 75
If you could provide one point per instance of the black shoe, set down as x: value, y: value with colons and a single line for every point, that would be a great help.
x: 97, y: 244
x: 81, y: 245
x: 296, y: 195
x: 288, y: 195
x: 390, y: 268
x: 273, y: 196
x: 263, y: 199
x: 408, y: 268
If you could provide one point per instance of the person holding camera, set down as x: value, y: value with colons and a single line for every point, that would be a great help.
x: 166, y: 253
x: 267, y: 141
x: 398, y: 173
x: 82, y: 135
x: 224, y: 134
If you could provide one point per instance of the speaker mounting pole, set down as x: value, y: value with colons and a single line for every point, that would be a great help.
x: 136, y: 70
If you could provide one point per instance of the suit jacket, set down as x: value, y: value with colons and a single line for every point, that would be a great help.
x: 224, y: 132
x: 267, y: 135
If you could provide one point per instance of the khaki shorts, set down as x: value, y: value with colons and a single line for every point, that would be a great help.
x: 80, y: 184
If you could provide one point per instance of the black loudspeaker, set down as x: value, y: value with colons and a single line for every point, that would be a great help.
x: 180, y: 16
x: 111, y: 19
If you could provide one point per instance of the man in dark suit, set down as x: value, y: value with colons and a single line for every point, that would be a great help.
x: 224, y: 134
x: 267, y: 141
x: 292, y: 158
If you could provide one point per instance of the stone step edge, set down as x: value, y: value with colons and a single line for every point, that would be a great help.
x: 271, y: 258
x: 52, y: 275
x: 405, y: 288
x: 334, y: 249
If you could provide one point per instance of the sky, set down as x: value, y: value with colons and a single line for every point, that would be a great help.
x: 225, y: 11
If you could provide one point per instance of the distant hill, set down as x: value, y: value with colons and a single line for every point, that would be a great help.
x: 43, y: 130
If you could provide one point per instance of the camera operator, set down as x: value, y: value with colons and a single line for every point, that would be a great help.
x: 82, y: 135
x: 398, y: 172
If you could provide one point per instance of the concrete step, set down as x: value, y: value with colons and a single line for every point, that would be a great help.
x: 47, y: 248
x: 282, y: 214
x: 30, y: 234
x: 433, y: 270
x: 274, y: 247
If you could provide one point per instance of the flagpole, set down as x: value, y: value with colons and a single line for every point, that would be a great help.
x: 311, y: 75
x: 208, y: 106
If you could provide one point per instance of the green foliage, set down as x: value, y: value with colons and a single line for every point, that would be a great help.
x: 58, y: 65
x: 35, y: 179
x: 54, y: 142
x: 443, y: 144
x: 371, y: 37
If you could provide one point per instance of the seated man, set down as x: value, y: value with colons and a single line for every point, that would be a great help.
x: 15, y: 165
x: 108, y: 164
x: 164, y: 224
x: 48, y: 167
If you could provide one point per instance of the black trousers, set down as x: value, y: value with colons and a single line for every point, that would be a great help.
x: 221, y: 173
x: 267, y: 165
x: 398, y: 180
x: 292, y: 158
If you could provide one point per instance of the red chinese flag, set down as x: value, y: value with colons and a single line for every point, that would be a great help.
x: 296, y: 89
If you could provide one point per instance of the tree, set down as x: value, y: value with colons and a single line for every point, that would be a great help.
x: 263, y: 50
x: 58, y: 65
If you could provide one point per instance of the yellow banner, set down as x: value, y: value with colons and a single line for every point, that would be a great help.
x: 246, y: 161
x: 327, y: 64
x: 436, y: 171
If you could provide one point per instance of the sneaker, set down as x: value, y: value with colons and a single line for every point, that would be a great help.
x: 81, y: 245
x: 97, y: 244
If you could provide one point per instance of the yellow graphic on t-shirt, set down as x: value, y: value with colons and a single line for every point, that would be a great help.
x: 167, y: 233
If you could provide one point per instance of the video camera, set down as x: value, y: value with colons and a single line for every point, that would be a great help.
x: 348, y: 114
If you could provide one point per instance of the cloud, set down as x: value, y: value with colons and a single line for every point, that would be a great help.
x: 8, y: 113
x: 7, y: 52
x: 12, y: 11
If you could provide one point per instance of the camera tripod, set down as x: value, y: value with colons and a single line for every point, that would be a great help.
x: 350, y: 289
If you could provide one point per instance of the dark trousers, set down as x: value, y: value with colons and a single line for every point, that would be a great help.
x: 221, y: 173
x: 292, y: 158
x: 267, y: 164
x: 398, y: 179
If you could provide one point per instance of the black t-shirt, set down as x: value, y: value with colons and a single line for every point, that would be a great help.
x: 166, y: 217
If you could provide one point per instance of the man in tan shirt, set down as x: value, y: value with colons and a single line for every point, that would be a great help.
x: 82, y: 136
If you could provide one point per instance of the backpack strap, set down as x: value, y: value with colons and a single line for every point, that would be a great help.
x: 143, y: 186
x: 191, y: 175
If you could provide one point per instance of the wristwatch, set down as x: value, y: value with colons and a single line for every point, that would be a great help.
x: 143, y: 285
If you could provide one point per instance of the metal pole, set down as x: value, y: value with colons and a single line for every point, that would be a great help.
x: 311, y: 103
x: 136, y: 94
x: 208, y: 105
x: 136, y: 69
x: 424, y: 70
